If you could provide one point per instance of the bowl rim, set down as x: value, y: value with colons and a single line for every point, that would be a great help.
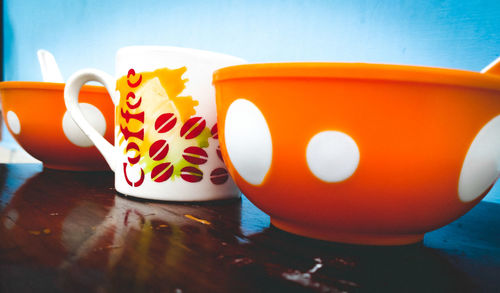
x: 45, y: 86
x: 359, y: 71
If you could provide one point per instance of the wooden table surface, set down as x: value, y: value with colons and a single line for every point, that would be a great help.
x: 71, y: 232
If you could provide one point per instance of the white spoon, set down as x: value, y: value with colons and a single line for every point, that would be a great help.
x: 493, y: 67
x: 50, y: 70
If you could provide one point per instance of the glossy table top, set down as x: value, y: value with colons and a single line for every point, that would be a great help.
x: 71, y: 232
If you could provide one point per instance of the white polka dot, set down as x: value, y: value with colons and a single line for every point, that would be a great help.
x: 248, y: 141
x: 13, y: 121
x: 332, y: 156
x: 75, y: 134
x: 482, y: 163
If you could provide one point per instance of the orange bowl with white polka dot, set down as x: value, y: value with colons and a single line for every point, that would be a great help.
x: 36, y: 116
x: 359, y: 153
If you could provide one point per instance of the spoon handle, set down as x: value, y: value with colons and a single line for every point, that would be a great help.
x: 493, y: 67
x: 49, y: 67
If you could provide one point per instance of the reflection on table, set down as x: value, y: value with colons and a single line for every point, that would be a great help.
x: 71, y: 232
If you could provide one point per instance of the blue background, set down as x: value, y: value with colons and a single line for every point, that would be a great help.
x: 454, y: 34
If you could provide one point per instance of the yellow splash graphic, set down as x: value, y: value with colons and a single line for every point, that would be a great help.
x: 171, y: 86
x: 158, y: 92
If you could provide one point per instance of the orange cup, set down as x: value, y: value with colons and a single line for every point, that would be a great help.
x: 36, y: 117
x: 359, y: 153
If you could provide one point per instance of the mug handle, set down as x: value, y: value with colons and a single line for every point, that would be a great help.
x: 71, y: 91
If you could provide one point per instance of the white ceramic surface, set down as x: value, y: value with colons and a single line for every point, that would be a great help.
x: 161, y: 152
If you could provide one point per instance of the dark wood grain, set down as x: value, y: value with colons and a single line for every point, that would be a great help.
x: 71, y: 232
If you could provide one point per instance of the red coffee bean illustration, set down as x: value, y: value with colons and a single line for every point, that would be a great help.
x: 162, y: 172
x: 219, y: 176
x: 193, y: 127
x: 191, y: 174
x: 165, y: 122
x: 158, y: 150
x: 219, y: 153
x: 215, y: 132
x: 195, y: 155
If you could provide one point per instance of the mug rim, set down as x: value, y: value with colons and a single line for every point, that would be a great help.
x: 178, y: 50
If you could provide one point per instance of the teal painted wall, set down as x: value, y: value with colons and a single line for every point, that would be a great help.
x: 454, y: 34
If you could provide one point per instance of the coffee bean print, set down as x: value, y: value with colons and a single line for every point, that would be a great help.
x: 219, y: 153
x: 158, y: 150
x: 165, y: 122
x: 215, y: 132
x: 162, y: 172
x: 195, y: 155
x: 191, y: 174
x: 193, y: 127
x: 219, y: 176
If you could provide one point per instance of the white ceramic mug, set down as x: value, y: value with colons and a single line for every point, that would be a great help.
x: 166, y: 141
